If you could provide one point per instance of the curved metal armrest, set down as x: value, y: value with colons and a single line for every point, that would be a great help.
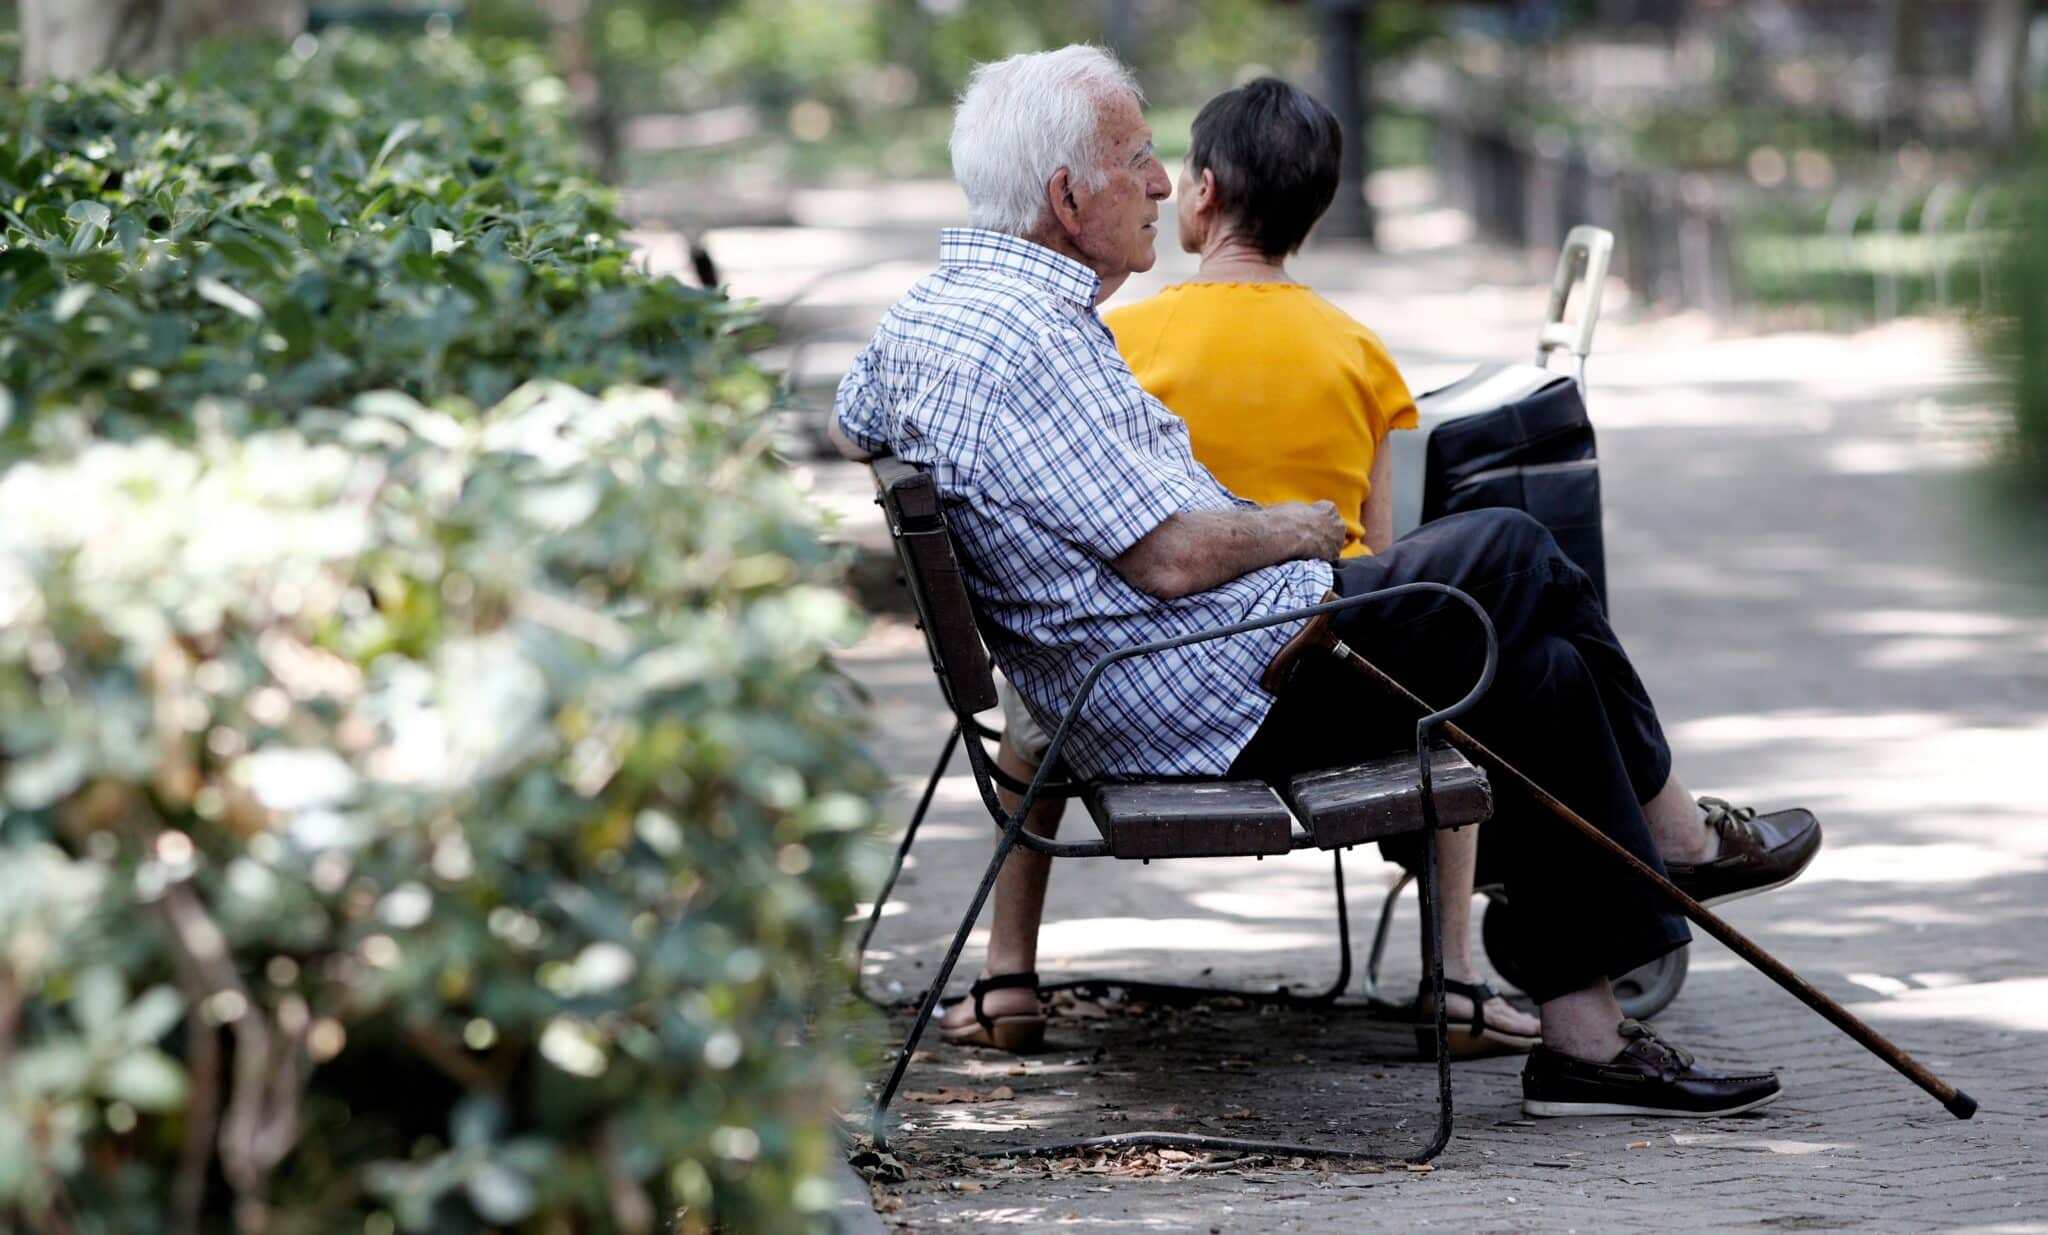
x: 1095, y: 672
x: 1064, y: 788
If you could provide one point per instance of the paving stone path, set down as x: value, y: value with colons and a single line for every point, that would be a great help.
x: 1815, y: 584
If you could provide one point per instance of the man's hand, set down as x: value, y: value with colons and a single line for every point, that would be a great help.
x: 1199, y: 549
x: 1321, y: 528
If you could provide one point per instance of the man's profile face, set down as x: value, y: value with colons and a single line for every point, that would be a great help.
x: 1118, y: 223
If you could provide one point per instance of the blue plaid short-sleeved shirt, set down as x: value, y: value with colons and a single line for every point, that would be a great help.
x: 1051, y: 460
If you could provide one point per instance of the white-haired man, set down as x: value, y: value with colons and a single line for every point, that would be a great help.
x: 1086, y: 525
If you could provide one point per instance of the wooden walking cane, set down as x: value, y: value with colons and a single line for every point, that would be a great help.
x: 1959, y: 1104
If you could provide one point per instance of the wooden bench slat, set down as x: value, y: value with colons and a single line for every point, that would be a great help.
x: 1380, y: 797
x: 1190, y: 819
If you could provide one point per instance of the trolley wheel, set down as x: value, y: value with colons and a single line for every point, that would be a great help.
x: 1642, y: 992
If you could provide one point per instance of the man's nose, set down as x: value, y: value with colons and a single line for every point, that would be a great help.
x: 1161, y: 186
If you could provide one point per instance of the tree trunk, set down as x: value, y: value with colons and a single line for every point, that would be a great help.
x: 1902, y: 64
x: 1344, y: 54
x: 572, y: 23
x: 2000, y: 79
x: 65, y: 39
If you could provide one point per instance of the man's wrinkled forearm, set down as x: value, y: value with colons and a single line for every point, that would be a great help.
x: 1200, y: 549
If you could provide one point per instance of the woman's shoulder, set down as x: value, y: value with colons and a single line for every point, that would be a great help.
x: 1338, y: 319
x: 1155, y: 307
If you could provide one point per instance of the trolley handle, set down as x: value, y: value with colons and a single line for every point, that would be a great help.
x: 1587, y: 252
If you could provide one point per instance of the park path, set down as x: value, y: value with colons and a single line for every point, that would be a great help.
x: 1811, y: 573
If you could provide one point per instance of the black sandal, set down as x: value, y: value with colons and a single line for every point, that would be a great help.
x: 1020, y: 1033
x: 1469, y: 1040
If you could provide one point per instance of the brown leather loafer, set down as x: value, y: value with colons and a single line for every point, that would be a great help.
x: 1649, y: 1077
x: 1758, y: 853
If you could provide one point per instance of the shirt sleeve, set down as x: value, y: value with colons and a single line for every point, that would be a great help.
x: 1389, y: 391
x: 1069, y: 449
x: 858, y: 406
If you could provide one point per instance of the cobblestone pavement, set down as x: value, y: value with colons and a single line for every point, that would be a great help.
x: 1806, y: 567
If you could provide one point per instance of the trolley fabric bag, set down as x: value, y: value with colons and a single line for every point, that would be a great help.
x: 1533, y: 453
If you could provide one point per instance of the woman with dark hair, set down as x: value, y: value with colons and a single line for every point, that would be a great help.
x: 1289, y: 399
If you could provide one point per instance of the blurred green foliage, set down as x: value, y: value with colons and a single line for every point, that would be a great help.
x: 290, y: 229
x: 858, y: 55
x: 867, y: 61
x: 425, y: 810
x: 476, y: 790
x: 2017, y: 333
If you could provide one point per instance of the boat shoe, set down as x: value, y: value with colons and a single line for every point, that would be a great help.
x: 1758, y: 852
x: 1649, y: 1077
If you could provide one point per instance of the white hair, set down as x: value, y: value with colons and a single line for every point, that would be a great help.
x: 1022, y: 119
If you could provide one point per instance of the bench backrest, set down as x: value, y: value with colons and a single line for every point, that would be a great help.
x: 931, y: 569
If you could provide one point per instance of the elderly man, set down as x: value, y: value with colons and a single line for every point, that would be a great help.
x: 1086, y: 526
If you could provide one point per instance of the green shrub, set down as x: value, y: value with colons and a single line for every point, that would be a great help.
x: 2017, y: 333
x: 448, y: 817
x: 411, y: 817
x: 292, y: 230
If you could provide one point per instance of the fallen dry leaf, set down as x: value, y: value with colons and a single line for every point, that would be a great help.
x: 948, y: 1095
x: 938, y: 1097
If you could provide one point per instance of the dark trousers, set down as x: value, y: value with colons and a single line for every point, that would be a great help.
x: 1565, y: 707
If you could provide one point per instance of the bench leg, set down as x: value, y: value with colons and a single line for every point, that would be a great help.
x: 1379, y: 938
x: 1432, y: 923
x: 930, y: 1002
x: 924, y: 803
x: 1343, y: 934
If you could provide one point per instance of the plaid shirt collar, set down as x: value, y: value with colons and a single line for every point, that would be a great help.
x: 971, y: 248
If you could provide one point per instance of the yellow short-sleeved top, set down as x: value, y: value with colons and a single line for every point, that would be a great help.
x: 1287, y: 397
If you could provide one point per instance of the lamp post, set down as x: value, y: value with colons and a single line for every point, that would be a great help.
x: 1340, y: 31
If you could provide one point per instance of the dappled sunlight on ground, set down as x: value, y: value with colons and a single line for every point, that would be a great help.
x: 1202, y: 937
x: 2020, y: 1006
x: 1911, y: 864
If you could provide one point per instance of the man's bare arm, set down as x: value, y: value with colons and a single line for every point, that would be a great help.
x: 844, y: 444
x: 1199, y: 549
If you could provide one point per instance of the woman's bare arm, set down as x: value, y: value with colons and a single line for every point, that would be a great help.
x: 1377, y: 515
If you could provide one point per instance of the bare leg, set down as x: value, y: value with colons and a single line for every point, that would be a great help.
x: 1019, y: 903
x: 1457, y: 856
x: 1584, y: 1024
x: 1679, y: 825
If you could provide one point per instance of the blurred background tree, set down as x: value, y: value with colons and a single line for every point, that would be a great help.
x: 63, y: 39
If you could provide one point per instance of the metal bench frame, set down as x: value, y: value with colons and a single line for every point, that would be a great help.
x: 923, y: 544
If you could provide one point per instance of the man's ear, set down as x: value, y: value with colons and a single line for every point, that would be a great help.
x: 1059, y: 197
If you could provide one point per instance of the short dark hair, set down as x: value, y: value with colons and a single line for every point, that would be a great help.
x: 1275, y: 153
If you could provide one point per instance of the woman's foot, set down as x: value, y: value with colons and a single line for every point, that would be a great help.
x: 1499, y: 1028
x: 1002, y: 1011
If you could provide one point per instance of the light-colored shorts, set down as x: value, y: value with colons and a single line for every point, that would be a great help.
x: 1026, y: 738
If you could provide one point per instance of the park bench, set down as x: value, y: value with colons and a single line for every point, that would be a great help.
x: 1431, y: 786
